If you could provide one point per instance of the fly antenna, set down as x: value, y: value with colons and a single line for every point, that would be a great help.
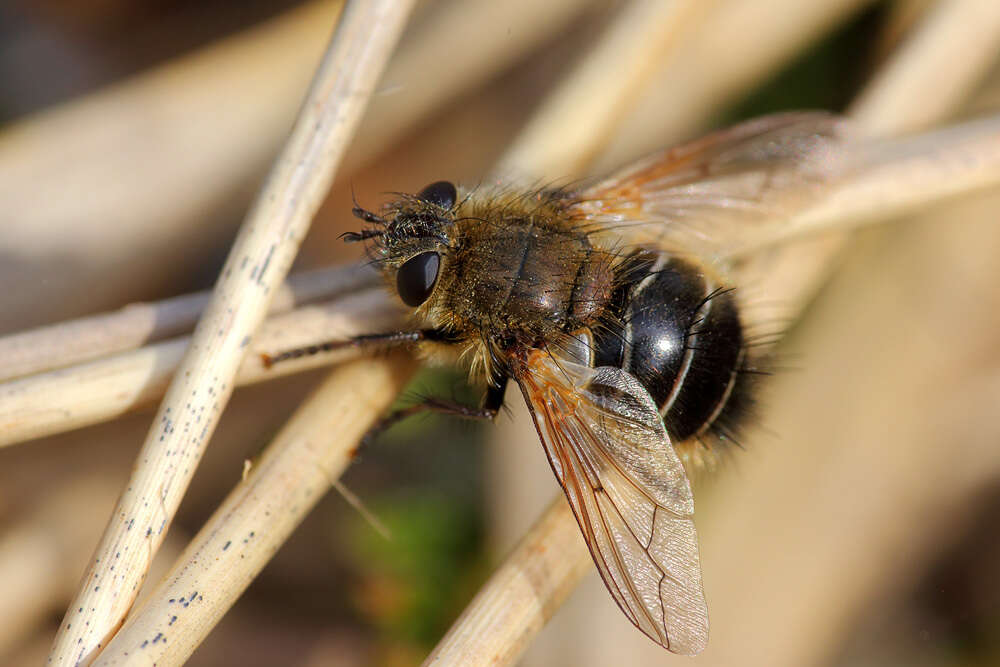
x: 363, y: 235
x: 363, y: 213
x: 367, y: 216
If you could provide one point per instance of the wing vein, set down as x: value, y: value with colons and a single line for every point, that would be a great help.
x: 610, y: 452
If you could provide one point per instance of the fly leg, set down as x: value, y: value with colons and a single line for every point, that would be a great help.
x: 381, y: 340
x: 491, y: 404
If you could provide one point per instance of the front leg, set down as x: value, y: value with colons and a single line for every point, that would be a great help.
x: 492, y: 402
x: 381, y: 340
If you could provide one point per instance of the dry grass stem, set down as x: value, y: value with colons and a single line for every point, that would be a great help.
x: 469, y: 28
x: 93, y: 392
x: 521, y: 596
x: 903, y: 175
x: 259, y: 260
x: 740, y: 44
x: 138, y: 324
x: 295, y: 471
x: 898, y: 177
x: 149, y: 167
x: 967, y: 29
x: 619, y: 67
x: 900, y: 18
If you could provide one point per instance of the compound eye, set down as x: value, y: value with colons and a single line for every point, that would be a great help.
x: 441, y: 194
x: 416, y: 277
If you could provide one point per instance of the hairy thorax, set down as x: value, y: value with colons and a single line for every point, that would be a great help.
x: 526, y: 274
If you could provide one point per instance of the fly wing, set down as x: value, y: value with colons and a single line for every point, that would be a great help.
x: 711, y: 194
x: 628, y: 490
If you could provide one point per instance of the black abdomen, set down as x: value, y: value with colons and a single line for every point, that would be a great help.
x: 680, y: 335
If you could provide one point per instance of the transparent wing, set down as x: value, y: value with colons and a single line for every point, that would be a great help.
x: 609, y: 450
x: 718, y: 192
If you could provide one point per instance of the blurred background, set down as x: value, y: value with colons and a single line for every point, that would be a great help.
x: 857, y: 527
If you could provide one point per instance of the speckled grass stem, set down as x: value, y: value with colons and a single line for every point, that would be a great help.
x: 296, y: 470
x: 258, y: 262
x: 96, y: 391
x: 76, y: 341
